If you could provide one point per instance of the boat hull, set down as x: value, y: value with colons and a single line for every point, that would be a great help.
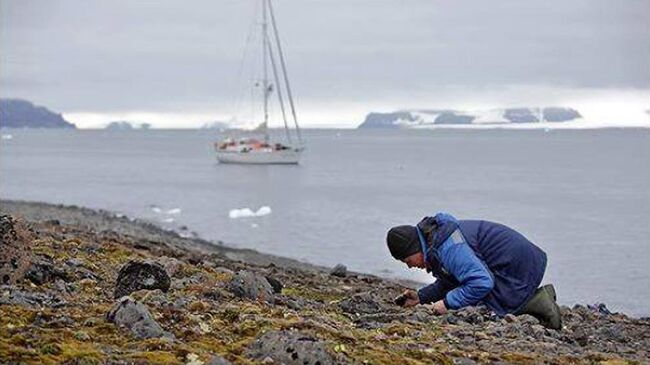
x: 282, y: 157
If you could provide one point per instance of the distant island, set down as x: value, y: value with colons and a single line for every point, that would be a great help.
x: 122, y: 125
x: 18, y: 113
x: 435, y: 117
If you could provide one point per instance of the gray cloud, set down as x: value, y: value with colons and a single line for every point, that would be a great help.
x: 103, y: 56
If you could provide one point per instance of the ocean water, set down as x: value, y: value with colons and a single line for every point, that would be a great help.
x: 583, y: 196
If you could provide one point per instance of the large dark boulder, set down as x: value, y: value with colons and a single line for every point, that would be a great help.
x: 137, y: 275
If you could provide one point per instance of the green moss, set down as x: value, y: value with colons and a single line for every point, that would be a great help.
x: 249, y: 328
x: 517, y: 358
x: 616, y: 362
x: 14, y: 317
x: 51, y: 349
x: 229, y: 314
x: 11, y: 353
x: 187, y: 270
x: 218, y: 275
x: 155, y: 357
x: 321, y: 296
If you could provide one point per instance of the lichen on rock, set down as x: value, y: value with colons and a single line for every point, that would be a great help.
x: 136, y: 275
x: 135, y: 317
x: 246, y: 284
x: 291, y: 348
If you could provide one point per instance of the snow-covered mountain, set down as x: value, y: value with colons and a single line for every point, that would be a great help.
x: 438, y: 117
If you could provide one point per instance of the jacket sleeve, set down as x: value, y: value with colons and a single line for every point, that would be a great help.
x: 434, y: 292
x: 458, y: 258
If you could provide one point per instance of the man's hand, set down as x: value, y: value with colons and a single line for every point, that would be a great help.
x: 412, y: 298
x: 438, y: 308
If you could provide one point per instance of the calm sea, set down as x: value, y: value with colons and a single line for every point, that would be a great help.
x: 583, y: 196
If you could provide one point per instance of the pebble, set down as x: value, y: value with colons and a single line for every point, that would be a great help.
x: 339, y: 270
x: 247, y: 284
x: 135, y: 317
x: 171, y: 264
x: 275, y: 284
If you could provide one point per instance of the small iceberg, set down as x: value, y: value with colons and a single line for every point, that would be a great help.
x: 168, y: 220
x: 241, y: 213
x: 158, y: 210
x: 263, y: 211
x: 248, y: 213
x: 7, y: 137
x: 174, y: 211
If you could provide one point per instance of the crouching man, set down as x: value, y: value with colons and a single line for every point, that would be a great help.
x: 475, y: 262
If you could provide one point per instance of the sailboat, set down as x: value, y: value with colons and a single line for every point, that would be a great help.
x: 264, y: 151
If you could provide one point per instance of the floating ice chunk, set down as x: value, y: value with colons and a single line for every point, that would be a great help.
x: 263, y: 211
x: 168, y: 220
x: 247, y: 212
x: 156, y: 209
x: 7, y: 136
x: 241, y: 213
x: 174, y: 211
x: 254, y: 225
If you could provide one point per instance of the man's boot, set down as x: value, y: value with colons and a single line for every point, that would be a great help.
x: 543, y: 307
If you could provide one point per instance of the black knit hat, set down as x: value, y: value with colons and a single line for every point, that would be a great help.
x: 403, y: 241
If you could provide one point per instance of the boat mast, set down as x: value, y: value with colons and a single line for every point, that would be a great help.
x: 265, y: 81
x: 279, y: 92
x: 284, y: 70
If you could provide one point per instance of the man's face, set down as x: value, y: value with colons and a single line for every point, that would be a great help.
x: 415, y: 260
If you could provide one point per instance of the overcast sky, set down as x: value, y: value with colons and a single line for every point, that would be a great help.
x: 176, y: 63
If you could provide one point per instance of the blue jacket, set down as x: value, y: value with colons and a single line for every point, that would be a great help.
x: 479, y: 262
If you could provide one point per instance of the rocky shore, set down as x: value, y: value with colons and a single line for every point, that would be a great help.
x: 88, y: 287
